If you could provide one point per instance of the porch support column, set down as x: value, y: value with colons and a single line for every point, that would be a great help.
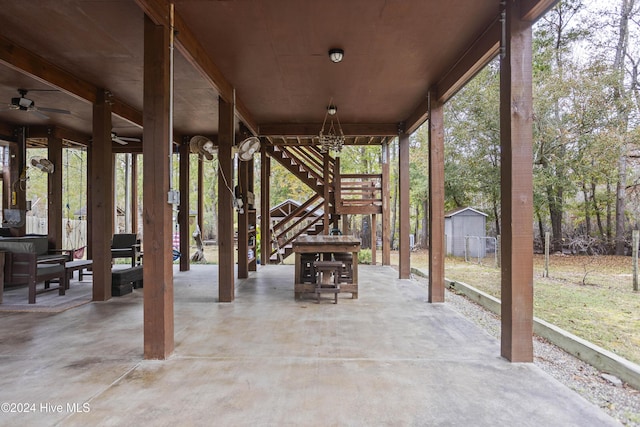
x: 326, y: 178
x: 101, y: 197
x: 183, y: 213
x: 436, y: 199
x: 134, y: 192
x: 243, y: 222
x: 200, y: 194
x: 226, y: 264
x: 54, y: 196
x: 157, y: 213
x: 386, y: 211
x: 265, y: 209
x: 253, y: 265
x: 403, y: 172
x: 516, y: 179
x: 18, y: 194
x: 374, y: 238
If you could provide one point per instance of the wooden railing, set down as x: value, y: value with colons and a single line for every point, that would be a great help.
x: 358, y: 194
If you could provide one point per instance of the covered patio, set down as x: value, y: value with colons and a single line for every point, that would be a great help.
x: 387, y: 358
x: 163, y: 72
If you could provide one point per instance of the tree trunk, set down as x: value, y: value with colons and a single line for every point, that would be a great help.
x: 416, y: 224
x: 555, y: 214
x: 621, y: 193
x: 496, y: 215
x: 587, y: 214
x: 424, y: 236
x: 596, y: 209
x: 541, y: 229
x: 626, y: 8
x: 609, y: 213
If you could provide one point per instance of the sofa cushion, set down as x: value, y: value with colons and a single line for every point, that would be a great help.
x: 40, y: 243
x: 17, y: 247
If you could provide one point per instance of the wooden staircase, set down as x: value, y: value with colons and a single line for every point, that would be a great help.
x: 305, y: 220
x: 305, y: 163
x: 333, y: 194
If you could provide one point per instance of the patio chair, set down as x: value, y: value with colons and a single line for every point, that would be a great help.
x: 126, y: 245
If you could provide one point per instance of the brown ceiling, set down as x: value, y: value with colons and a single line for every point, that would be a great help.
x: 274, y: 53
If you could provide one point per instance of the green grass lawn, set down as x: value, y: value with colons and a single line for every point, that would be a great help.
x: 591, y: 297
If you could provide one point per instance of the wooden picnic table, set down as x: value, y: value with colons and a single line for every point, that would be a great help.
x: 323, y: 244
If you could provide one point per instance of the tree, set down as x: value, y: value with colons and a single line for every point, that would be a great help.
x: 552, y: 48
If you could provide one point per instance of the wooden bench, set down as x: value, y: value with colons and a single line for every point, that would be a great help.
x: 123, y: 280
x: 329, y: 282
x: 79, y: 266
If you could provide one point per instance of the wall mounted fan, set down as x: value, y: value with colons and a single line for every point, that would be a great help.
x: 202, y: 145
x: 247, y: 148
x: 40, y: 163
x: 22, y: 103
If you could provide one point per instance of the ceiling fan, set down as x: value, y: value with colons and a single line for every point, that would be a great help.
x: 123, y: 140
x: 23, y: 103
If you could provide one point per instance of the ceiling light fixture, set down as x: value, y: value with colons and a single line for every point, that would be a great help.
x: 331, y: 139
x: 336, y: 55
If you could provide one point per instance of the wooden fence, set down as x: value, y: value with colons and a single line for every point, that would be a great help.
x: 74, y: 235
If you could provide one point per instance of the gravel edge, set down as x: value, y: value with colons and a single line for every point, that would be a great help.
x: 617, y: 399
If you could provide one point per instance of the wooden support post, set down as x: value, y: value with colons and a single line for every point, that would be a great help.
x: 54, y: 193
x: 374, y: 226
x: 90, y: 222
x: 134, y: 193
x: 226, y: 264
x: 6, y: 178
x: 436, y: 199
x: 634, y: 254
x: 326, y: 195
x: 183, y: 213
x: 243, y: 223
x: 265, y: 209
x: 251, y: 188
x: 157, y: 213
x: 101, y: 169
x: 200, y: 193
x: 516, y: 140
x: 403, y: 172
x: 18, y: 156
x: 386, y: 210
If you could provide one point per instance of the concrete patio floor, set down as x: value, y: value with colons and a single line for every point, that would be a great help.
x: 388, y: 358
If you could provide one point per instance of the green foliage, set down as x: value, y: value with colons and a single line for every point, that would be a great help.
x: 364, y: 256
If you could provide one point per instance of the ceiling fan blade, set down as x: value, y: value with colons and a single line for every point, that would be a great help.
x: 39, y: 114
x: 119, y: 140
x: 129, y: 139
x: 54, y: 110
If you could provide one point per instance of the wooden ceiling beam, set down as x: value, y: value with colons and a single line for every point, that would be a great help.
x: 194, y: 52
x: 59, y: 132
x: 27, y: 62
x: 532, y: 10
x: 7, y: 131
x: 478, y: 55
x: 312, y: 129
x: 481, y: 52
x: 187, y: 43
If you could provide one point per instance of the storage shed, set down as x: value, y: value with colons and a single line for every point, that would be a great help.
x: 465, y: 222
